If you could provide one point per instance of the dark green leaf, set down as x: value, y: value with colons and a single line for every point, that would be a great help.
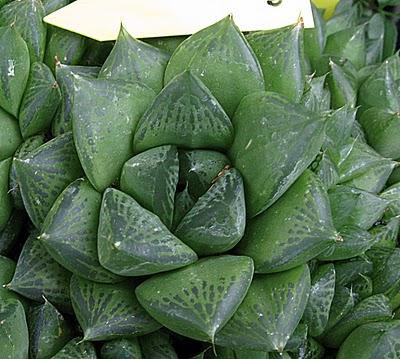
x: 53, y: 5
x: 157, y: 346
x: 10, y: 136
x: 10, y: 235
x: 184, y: 201
x: 168, y: 44
x: 390, y: 38
x: 362, y: 287
x: 78, y: 350
x: 325, y: 168
x: 386, y: 235
x: 7, y: 269
x: 125, y: 348
x: 343, y: 20
x: 316, y: 96
x: 315, y: 38
x: 5, y: 198
x: 375, y: 39
x: 298, y: 338
x: 339, y: 127
x: 350, y: 270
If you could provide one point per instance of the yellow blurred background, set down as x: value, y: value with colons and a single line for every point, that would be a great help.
x: 329, y: 5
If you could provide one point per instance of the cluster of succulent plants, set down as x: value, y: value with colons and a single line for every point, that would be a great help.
x: 220, y: 195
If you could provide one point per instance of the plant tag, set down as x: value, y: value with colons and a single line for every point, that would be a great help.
x: 101, y: 19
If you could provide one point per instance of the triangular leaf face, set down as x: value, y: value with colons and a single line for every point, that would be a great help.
x: 135, y: 61
x: 281, y: 56
x: 344, y: 19
x: 7, y: 269
x: 362, y: 288
x: 385, y: 236
x: 316, y: 96
x: 5, y: 198
x: 14, y: 336
x: 10, y: 235
x: 14, y: 69
x: 197, y: 301
x: 44, y: 174
x: 325, y: 168
x: 69, y: 232
x: 125, y: 348
x: 284, y: 137
x: 349, y: 270
x: 339, y: 126
x: 184, y: 202
x: 77, y: 349
x: 151, y: 178
x: 319, y: 303
x: 217, y: 221
x: 392, y: 194
x: 221, y: 57
x: 40, y: 102
x: 157, y: 345
x: 293, y: 231
x: 109, y: 311
x: 27, y: 16
x: 103, y: 133
x: 48, y: 331
x: 186, y: 114
x: 10, y: 136
x: 133, y: 241
x: 38, y: 274
x: 270, y: 312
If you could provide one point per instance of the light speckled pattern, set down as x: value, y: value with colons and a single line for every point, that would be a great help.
x: 69, y: 232
x: 133, y: 60
x: 386, y: 235
x: 198, y: 300
x: 77, y: 349
x: 325, y: 168
x: 37, y: 274
x: 14, y: 69
x: 48, y: 331
x: 281, y: 56
x: 185, y: 113
x: 296, y: 229
x: 40, y: 102
x: 125, y: 348
x: 157, y: 346
x: 392, y: 194
x: 339, y: 127
x: 270, y: 312
x: 109, y: 311
x: 283, y: 136
x: 7, y: 269
x: 184, y: 201
x: 44, y: 173
x: 26, y: 16
x: 103, y: 133
x: 349, y: 270
x: 221, y: 57
x: 14, y: 337
x: 316, y: 96
x: 216, y: 223
x: 133, y: 241
x: 151, y: 178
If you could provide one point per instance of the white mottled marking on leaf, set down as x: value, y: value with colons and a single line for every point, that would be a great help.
x: 11, y: 68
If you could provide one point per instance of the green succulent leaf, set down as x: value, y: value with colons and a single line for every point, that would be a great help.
x: 77, y: 349
x: 316, y: 96
x: 344, y: 19
x: 10, y: 235
x: 40, y: 102
x: 216, y: 223
x: 362, y: 288
x: 186, y: 114
x: 5, y: 198
x: 151, y: 178
x: 38, y: 275
x: 69, y: 232
x: 339, y: 127
x: 325, y: 168
x: 14, y: 69
x: 285, y: 137
x: 44, y: 173
x: 221, y: 57
x: 192, y: 301
x: 315, y: 38
x: 157, y: 345
x: 26, y: 16
x: 348, y: 271
x: 386, y: 235
x: 109, y: 311
x: 392, y: 195
x: 7, y: 269
x: 298, y: 338
x: 184, y: 202
x: 135, y: 61
x: 124, y: 348
x: 390, y: 38
x: 10, y: 136
x: 270, y: 312
x: 293, y: 231
x: 53, y: 5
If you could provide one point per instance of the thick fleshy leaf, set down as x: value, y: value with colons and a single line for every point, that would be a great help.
x: 375, y: 39
x: 10, y: 235
x: 294, y: 230
x: 228, y: 353
x: 372, y: 309
x: 362, y: 288
x: 44, y: 173
x: 157, y: 346
x: 14, y: 337
x: 216, y: 223
x: 69, y: 232
x: 315, y: 38
x: 5, y: 197
x: 339, y: 126
x: 10, y: 136
x: 125, y: 348
x: 186, y: 114
x: 135, y: 61
x: 386, y: 235
x: 390, y: 38
x: 325, y: 168
x: 96, y: 52
x: 109, y: 311
x: 298, y: 338
x: 371, y: 341
x: 48, y: 331
x: 198, y: 168
x: 23, y: 150
x: 392, y: 194
x: 348, y: 271
x: 283, y: 136
x: 64, y: 46
x: 132, y: 241
x: 184, y: 202
x: 77, y: 349
x: 311, y: 349
x: 14, y: 69
x: 151, y: 178
x: 197, y: 301
x: 7, y: 269
x: 104, y: 146
x: 349, y: 44
x: 354, y: 207
x: 65, y: 78
x: 322, y: 291
x: 221, y: 57
x: 343, y: 19
x: 270, y: 312
x: 53, y: 5
x: 382, y: 130
x: 316, y: 96
x: 281, y: 56
x: 40, y: 101
x: 26, y: 16
x: 168, y: 44
x: 37, y: 274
